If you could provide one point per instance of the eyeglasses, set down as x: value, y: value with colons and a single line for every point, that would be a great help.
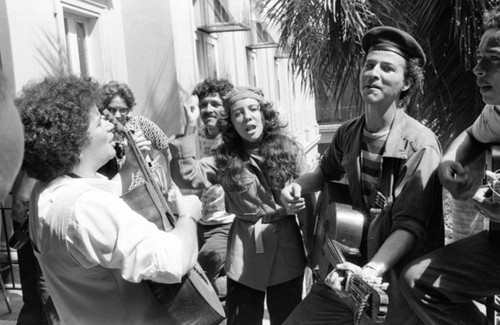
x: 122, y: 110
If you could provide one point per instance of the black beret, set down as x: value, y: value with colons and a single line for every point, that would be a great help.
x: 387, y: 38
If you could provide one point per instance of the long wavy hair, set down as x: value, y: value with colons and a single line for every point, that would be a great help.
x: 279, y: 153
x: 414, y: 71
x: 55, y: 113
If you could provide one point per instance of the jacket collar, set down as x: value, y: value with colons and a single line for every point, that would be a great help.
x: 395, y: 146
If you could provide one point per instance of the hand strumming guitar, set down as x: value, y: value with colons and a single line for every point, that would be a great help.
x: 458, y: 180
x: 142, y: 143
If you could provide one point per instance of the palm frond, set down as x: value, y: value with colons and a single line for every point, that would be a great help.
x: 323, y: 38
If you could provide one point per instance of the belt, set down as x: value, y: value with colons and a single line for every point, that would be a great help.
x: 259, y: 241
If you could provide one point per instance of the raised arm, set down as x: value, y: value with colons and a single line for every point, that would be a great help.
x: 192, y: 114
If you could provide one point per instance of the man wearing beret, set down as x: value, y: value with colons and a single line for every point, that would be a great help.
x: 390, y: 163
x: 442, y: 285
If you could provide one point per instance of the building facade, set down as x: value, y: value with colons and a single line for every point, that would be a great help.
x: 161, y: 48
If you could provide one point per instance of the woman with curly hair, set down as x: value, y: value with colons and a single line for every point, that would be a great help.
x: 256, y: 160
x: 119, y: 99
x: 94, y: 250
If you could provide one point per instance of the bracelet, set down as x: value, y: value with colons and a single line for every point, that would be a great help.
x: 188, y: 216
x: 368, y: 266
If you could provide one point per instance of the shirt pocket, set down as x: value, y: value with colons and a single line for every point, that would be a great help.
x: 245, y: 202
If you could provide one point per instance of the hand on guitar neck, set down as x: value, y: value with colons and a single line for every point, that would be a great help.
x: 142, y: 143
x: 336, y: 279
x: 338, y: 231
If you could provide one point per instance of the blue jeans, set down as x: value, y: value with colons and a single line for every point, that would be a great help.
x: 441, y: 285
x: 212, y: 255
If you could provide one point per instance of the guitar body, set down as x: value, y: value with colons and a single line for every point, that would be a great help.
x: 335, y: 222
x: 191, y: 302
x: 194, y: 300
x: 338, y: 235
x: 142, y: 200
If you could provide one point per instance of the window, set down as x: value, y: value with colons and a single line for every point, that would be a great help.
x: 252, y: 67
x: 216, y: 16
x: 261, y: 34
x: 206, y: 46
x: 77, y: 31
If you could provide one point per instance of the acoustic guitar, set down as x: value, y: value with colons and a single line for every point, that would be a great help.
x: 338, y: 233
x: 491, y: 167
x: 194, y: 300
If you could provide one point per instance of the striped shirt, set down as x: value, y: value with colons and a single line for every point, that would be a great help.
x: 372, y: 147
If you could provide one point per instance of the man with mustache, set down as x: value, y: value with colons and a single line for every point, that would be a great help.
x: 389, y: 161
x: 442, y: 285
x: 213, y: 227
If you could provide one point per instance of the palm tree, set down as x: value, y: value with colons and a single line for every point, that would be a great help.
x: 323, y: 39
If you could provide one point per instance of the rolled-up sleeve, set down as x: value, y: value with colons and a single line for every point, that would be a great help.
x: 331, y: 162
x: 417, y: 193
x: 103, y: 230
x: 187, y: 171
x: 486, y: 128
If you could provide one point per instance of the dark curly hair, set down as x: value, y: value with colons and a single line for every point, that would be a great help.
x: 279, y: 153
x: 55, y: 113
x: 414, y: 71
x: 115, y: 88
x: 212, y: 86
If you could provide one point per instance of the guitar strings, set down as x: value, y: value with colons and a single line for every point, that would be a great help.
x: 494, y: 184
x: 361, y: 292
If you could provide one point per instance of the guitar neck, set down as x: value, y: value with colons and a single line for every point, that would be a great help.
x: 334, y: 255
x: 143, y: 164
x: 144, y: 167
x: 369, y: 298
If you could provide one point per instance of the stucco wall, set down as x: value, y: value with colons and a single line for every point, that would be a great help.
x: 153, y: 59
x: 29, y: 40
